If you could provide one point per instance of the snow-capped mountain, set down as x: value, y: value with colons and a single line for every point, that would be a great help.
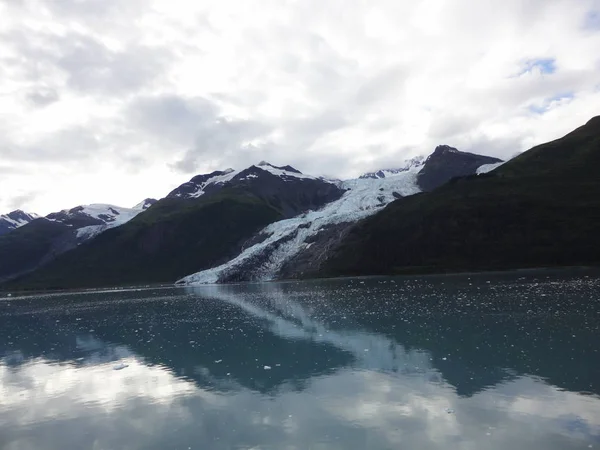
x: 299, y: 244
x: 447, y: 162
x: 410, y: 164
x: 91, y: 220
x: 286, y: 188
x: 15, y: 219
x: 60, y: 232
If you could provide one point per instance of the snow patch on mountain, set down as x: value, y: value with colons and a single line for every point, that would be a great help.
x: 145, y: 204
x: 488, y: 167
x: 15, y: 219
x: 415, y: 163
x: 363, y: 197
x: 218, y: 179
x: 209, y: 183
x: 110, y: 216
x: 284, y: 172
x: 18, y: 218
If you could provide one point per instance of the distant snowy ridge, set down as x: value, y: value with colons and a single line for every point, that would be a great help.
x: 415, y: 163
x: 203, y: 184
x: 15, y: 219
x: 284, y: 239
x: 102, y: 217
x: 18, y: 218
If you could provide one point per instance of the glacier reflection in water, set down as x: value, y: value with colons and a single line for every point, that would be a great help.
x: 436, y: 362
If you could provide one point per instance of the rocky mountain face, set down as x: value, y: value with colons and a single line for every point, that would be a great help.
x: 14, y: 220
x: 540, y: 209
x: 285, y: 188
x: 40, y: 241
x: 446, y: 163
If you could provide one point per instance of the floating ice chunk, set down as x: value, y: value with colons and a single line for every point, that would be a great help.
x: 267, y: 367
x: 219, y: 361
x: 120, y: 366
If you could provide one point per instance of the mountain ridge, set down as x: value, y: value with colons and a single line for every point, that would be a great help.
x: 41, y: 240
x: 14, y: 220
x: 539, y: 209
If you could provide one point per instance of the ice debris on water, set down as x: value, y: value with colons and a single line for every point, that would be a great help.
x: 267, y: 367
x: 120, y: 366
x: 219, y: 361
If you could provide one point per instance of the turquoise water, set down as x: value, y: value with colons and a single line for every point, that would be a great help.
x: 455, y: 362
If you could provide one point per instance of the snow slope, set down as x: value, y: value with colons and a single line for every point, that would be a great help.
x: 15, y: 219
x: 488, y: 167
x: 112, y: 216
x: 415, y: 163
x: 363, y: 197
x: 18, y: 218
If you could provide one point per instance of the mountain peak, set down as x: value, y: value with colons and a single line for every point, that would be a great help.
x: 145, y: 204
x: 15, y: 219
x: 264, y: 164
x: 447, y: 162
x: 408, y: 165
x: 442, y: 149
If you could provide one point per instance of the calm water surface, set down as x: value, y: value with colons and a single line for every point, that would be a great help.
x: 455, y: 362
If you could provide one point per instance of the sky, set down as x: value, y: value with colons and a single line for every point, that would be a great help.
x: 114, y: 101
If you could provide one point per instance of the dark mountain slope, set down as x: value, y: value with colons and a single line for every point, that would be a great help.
x: 540, y: 209
x: 38, y: 242
x: 446, y: 163
x: 171, y: 239
x: 23, y: 249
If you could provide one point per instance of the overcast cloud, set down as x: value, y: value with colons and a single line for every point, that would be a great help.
x: 114, y: 101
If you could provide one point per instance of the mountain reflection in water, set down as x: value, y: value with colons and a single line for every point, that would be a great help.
x: 482, y: 361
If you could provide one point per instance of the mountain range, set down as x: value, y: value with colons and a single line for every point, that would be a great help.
x: 451, y: 211
x: 37, y: 241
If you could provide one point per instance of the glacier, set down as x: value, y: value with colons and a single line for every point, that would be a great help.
x: 286, y: 238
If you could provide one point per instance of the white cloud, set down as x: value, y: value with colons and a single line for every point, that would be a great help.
x: 111, y: 101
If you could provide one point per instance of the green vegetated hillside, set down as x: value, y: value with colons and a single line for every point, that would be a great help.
x: 173, y: 238
x: 539, y: 209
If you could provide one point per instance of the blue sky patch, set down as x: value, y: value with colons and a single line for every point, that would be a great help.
x: 546, y: 104
x: 545, y: 65
x: 592, y: 20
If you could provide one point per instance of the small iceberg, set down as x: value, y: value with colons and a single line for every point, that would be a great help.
x: 120, y: 366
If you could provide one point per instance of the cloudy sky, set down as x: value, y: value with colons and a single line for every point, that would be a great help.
x: 113, y: 101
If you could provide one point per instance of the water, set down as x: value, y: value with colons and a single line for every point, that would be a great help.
x: 453, y: 362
